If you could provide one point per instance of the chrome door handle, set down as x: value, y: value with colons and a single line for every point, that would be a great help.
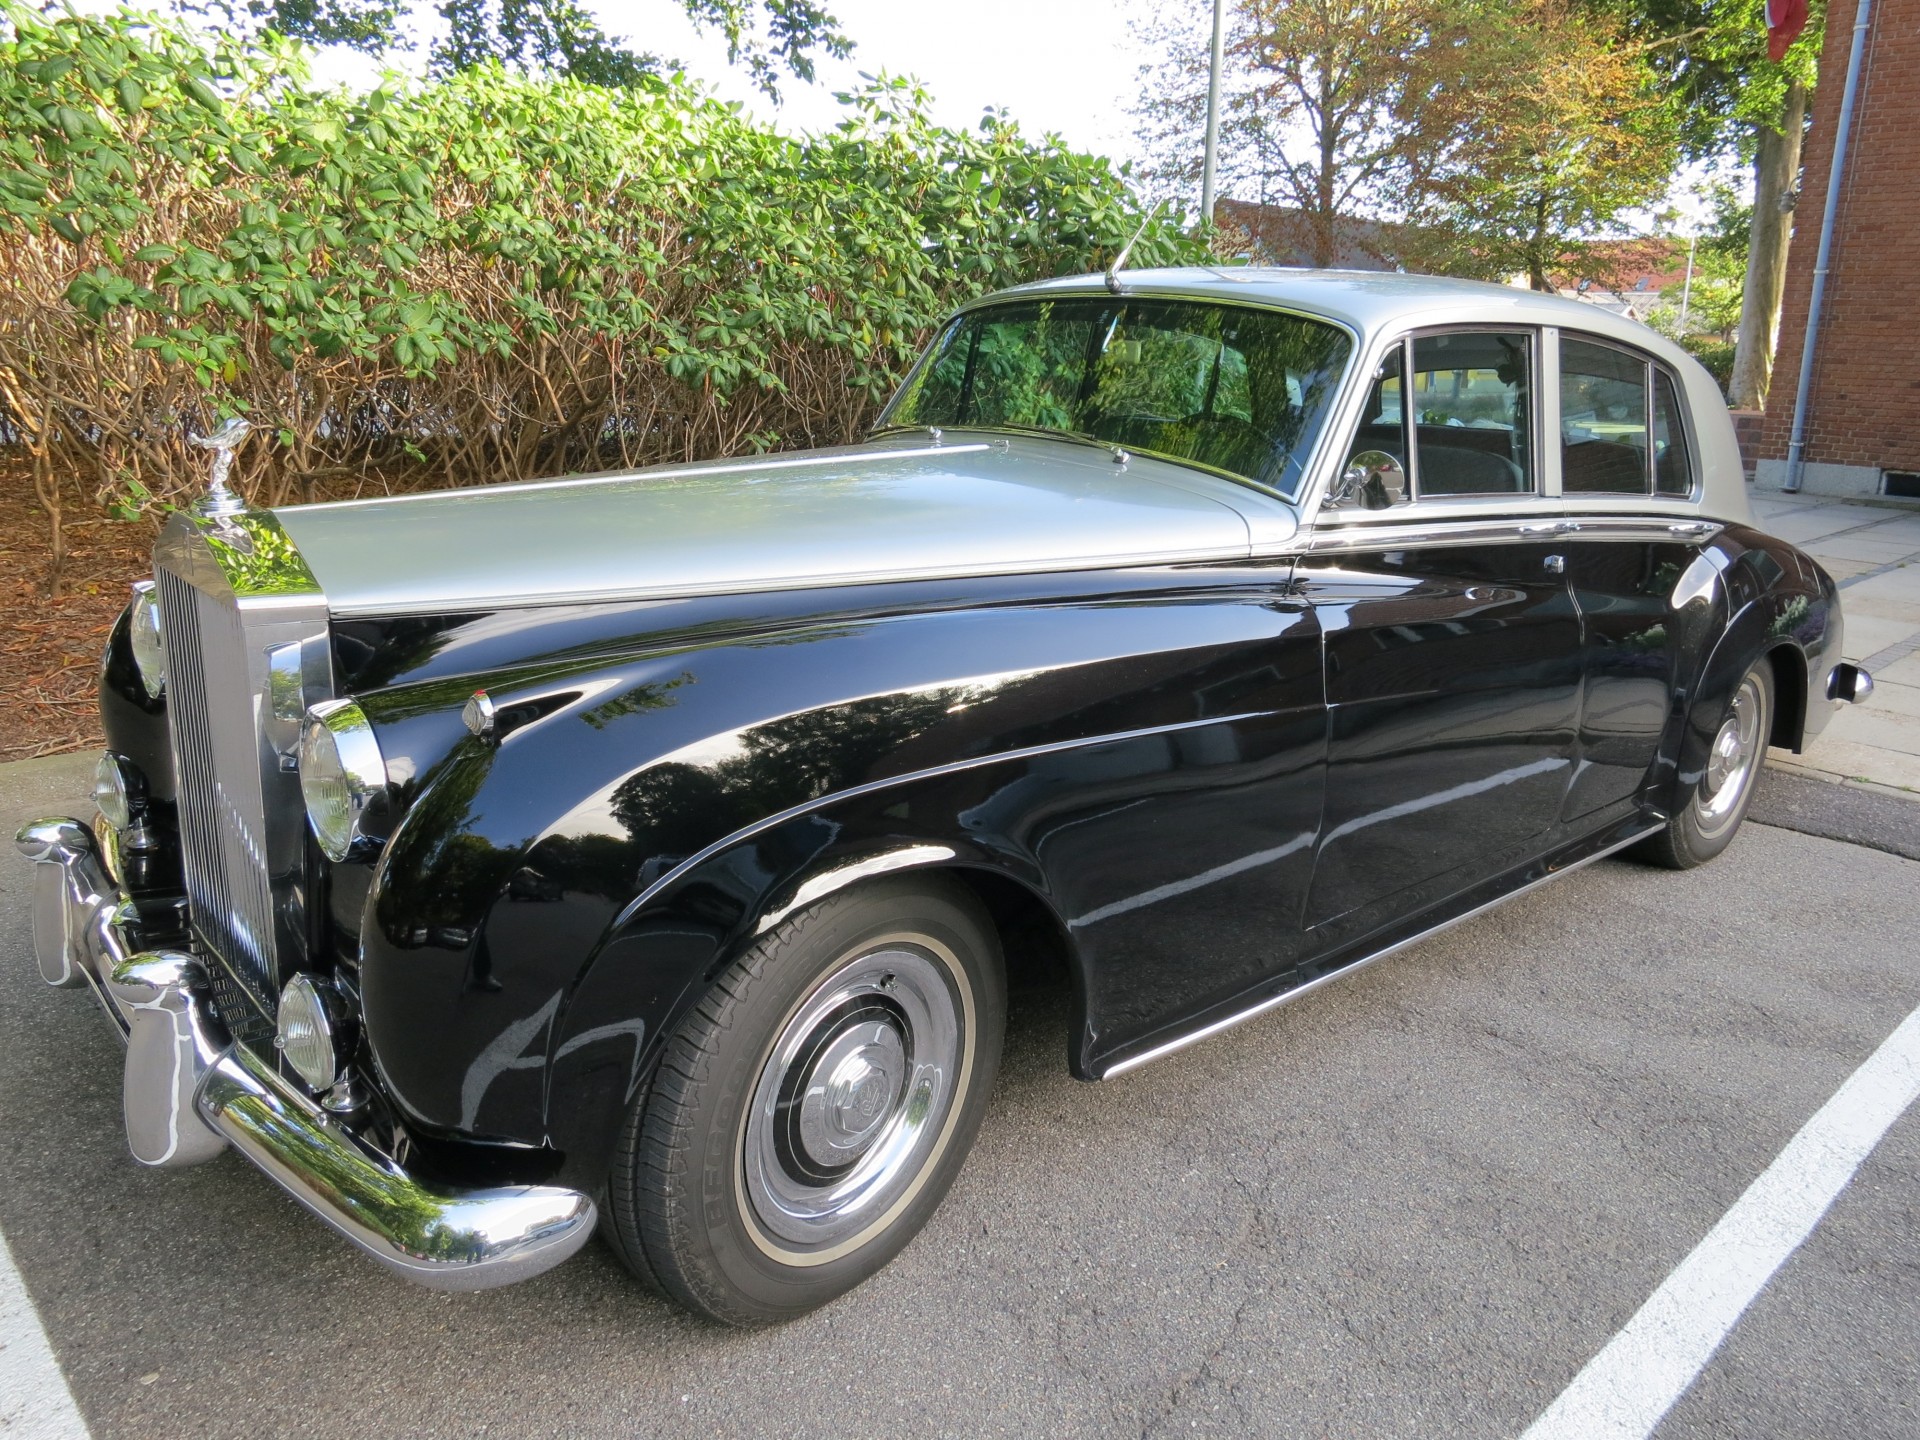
x: 1555, y: 564
x: 1550, y: 528
x: 1690, y: 527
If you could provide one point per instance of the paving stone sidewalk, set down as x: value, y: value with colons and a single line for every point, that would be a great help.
x: 1873, y: 551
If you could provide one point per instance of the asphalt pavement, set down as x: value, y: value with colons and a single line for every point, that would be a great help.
x: 1414, y: 1203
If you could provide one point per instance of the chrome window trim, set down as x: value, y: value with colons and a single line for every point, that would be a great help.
x: 1309, y: 464
x: 1689, y: 448
x: 1534, y: 492
x: 1551, y: 477
x: 1317, y: 518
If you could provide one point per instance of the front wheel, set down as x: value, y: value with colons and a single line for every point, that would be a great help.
x: 1705, y: 824
x: 810, y: 1113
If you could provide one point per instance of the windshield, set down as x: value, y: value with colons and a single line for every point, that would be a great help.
x: 1225, y: 386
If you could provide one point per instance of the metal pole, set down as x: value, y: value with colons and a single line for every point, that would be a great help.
x: 1213, y: 111
x: 1686, y: 289
x: 1836, y: 170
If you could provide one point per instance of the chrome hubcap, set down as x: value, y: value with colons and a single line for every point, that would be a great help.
x: 1733, y: 758
x: 854, y: 1098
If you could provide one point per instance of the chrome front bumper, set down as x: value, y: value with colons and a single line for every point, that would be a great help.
x: 190, y: 1091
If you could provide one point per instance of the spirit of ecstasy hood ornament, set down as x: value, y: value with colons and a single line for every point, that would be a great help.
x: 222, y: 499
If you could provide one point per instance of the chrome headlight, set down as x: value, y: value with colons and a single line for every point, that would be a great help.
x: 148, y: 639
x: 309, y: 1032
x: 341, y: 774
x: 118, y: 790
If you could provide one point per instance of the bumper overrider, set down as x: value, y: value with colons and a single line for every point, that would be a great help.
x: 190, y: 1091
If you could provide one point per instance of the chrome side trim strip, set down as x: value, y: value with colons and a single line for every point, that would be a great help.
x: 1026, y: 752
x: 1273, y: 1002
x: 1352, y: 537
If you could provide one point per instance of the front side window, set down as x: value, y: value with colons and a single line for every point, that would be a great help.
x: 1463, y: 425
x: 1229, y: 387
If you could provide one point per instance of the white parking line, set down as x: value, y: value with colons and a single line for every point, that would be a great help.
x: 35, y: 1403
x: 1630, y: 1385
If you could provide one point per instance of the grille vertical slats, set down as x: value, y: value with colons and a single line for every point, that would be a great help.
x: 210, y: 709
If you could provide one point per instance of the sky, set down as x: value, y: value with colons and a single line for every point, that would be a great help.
x: 1069, y: 66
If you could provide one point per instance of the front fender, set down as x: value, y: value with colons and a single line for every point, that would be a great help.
x: 539, y: 904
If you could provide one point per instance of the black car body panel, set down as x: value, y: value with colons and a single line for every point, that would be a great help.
x: 1197, y: 786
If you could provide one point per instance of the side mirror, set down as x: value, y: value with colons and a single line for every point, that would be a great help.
x: 1373, y: 480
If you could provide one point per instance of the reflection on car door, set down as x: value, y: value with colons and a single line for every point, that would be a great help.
x: 1452, y: 646
x: 1622, y: 438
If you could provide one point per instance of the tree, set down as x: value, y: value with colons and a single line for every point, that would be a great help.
x: 1733, y: 100
x: 1711, y: 298
x: 1504, y: 130
x: 1576, y: 131
x: 1338, y: 108
x: 554, y: 36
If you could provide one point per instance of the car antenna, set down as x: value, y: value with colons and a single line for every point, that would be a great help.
x: 1113, y: 270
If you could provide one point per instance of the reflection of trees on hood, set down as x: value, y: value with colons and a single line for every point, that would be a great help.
x: 452, y: 860
x: 378, y: 652
x: 676, y: 808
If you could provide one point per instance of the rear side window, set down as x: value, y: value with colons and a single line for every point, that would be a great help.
x: 1620, y: 426
x: 1672, y: 467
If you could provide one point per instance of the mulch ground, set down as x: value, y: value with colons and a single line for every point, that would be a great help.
x: 50, y: 644
x: 50, y: 647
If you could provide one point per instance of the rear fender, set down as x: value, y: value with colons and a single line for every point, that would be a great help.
x: 1778, y: 602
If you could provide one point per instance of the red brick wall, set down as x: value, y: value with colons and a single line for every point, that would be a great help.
x: 1865, y: 403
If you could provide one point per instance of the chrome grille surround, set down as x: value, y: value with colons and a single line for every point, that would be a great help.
x: 245, y: 628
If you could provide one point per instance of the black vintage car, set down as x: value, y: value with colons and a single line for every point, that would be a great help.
x: 654, y: 850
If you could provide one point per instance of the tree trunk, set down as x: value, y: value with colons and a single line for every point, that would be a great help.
x: 1776, y: 163
x: 1537, y: 278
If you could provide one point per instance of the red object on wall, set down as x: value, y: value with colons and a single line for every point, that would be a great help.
x: 1785, y: 20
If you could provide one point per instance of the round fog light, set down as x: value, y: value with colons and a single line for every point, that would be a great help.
x: 309, y: 1033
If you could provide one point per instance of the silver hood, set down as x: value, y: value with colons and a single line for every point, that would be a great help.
x: 893, y: 509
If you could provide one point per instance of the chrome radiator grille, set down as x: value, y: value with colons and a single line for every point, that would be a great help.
x: 216, y: 747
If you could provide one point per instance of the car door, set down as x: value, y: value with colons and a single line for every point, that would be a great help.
x: 1624, y: 456
x: 1452, y: 645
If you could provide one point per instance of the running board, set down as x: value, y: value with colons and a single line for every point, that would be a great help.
x: 1274, y: 1002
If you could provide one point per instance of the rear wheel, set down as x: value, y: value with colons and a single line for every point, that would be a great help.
x: 809, y: 1115
x: 1706, y: 824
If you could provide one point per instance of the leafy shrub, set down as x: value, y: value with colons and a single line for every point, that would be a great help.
x: 484, y: 278
x: 1715, y: 354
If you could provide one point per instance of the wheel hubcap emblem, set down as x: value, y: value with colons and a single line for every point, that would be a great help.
x: 853, y: 1098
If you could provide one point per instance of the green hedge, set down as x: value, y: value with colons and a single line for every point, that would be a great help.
x: 483, y: 278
